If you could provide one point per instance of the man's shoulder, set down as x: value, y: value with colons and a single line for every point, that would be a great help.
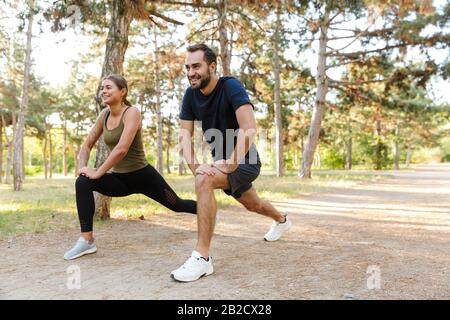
x: 188, y: 91
x: 189, y: 96
x: 231, y: 82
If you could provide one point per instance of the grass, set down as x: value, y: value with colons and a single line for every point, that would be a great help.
x: 49, y: 205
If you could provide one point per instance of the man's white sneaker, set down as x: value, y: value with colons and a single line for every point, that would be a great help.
x: 193, y: 269
x: 277, y: 229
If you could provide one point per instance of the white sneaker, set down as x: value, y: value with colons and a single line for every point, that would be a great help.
x: 81, y: 248
x: 193, y: 269
x: 277, y: 229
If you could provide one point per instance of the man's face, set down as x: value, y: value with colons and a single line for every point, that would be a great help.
x: 198, y: 71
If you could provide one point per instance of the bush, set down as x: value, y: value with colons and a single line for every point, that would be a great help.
x: 332, y: 159
x: 32, y: 170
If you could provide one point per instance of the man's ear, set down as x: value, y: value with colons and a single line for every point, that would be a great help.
x: 213, y: 67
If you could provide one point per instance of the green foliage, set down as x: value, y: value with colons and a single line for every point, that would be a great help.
x: 33, y: 170
x: 403, y: 97
x: 445, y: 147
x: 332, y: 159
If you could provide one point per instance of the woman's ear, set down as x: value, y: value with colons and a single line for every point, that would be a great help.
x: 124, y: 92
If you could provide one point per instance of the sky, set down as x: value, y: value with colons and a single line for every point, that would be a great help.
x: 53, y: 52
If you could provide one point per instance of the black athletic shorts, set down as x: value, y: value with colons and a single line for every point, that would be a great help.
x: 241, y: 179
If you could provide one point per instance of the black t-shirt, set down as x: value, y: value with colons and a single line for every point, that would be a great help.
x: 217, y: 113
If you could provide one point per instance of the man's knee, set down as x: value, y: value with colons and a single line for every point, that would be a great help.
x: 203, y: 182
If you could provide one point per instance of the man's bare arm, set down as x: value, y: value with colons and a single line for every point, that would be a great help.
x: 187, y: 146
x: 247, y: 131
x: 246, y: 136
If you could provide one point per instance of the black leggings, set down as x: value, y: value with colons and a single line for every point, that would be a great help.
x: 147, y: 181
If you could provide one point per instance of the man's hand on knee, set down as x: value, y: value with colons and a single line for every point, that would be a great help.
x: 206, y: 169
x: 225, y: 166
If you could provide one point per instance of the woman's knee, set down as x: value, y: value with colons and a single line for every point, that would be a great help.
x: 83, y: 183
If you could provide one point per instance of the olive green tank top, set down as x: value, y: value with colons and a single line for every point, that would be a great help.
x: 135, y: 157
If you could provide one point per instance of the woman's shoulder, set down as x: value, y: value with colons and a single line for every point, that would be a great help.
x: 102, y: 115
x: 132, y: 112
x: 104, y: 111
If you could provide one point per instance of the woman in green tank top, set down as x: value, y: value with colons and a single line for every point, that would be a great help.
x: 120, y: 125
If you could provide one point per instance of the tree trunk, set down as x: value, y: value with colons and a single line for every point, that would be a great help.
x: 44, y: 157
x: 1, y: 151
x: 317, y: 158
x: 278, y: 117
x: 9, y: 152
x: 225, y: 56
x: 302, y: 144
x: 159, y: 124
x: 50, y: 153
x: 168, y: 157
x: 18, y: 139
x: 295, y: 157
x: 344, y: 154
x: 319, y: 106
x: 397, y: 147
x: 23, y: 159
x: 408, y: 154
x: 77, y: 152
x: 116, y: 46
x: 349, y: 159
x: 378, y: 147
x: 64, y: 153
x: 9, y: 162
x: 168, y: 142
x: 11, y: 144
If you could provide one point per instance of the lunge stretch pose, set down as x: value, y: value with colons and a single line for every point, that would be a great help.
x: 120, y: 124
x: 223, y: 107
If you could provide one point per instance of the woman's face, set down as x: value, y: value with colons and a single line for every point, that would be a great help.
x: 111, y: 94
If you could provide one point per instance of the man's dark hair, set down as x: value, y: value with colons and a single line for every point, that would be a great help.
x: 210, y: 55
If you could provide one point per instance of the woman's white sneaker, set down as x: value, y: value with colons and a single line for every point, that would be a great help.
x: 193, y: 269
x: 81, y: 248
x: 277, y: 229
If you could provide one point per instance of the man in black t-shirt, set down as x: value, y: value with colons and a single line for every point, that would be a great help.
x: 229, y: 126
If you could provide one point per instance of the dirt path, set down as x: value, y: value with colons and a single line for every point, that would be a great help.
x: 397, y: 228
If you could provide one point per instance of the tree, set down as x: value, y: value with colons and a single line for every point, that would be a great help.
x: 122, y: 13
x: 277, y: 98
x: 398, y: 32
x: 1, y: 151
x: 18, y: 139
x: 159, y: 120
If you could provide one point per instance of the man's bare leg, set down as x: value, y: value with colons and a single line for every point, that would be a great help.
x: 252, y: 202
x: 207, y: 208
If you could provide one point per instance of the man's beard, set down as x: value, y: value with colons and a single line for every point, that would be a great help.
x: 204, y: 81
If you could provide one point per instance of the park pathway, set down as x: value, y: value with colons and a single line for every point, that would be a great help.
x: 388, y: 239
